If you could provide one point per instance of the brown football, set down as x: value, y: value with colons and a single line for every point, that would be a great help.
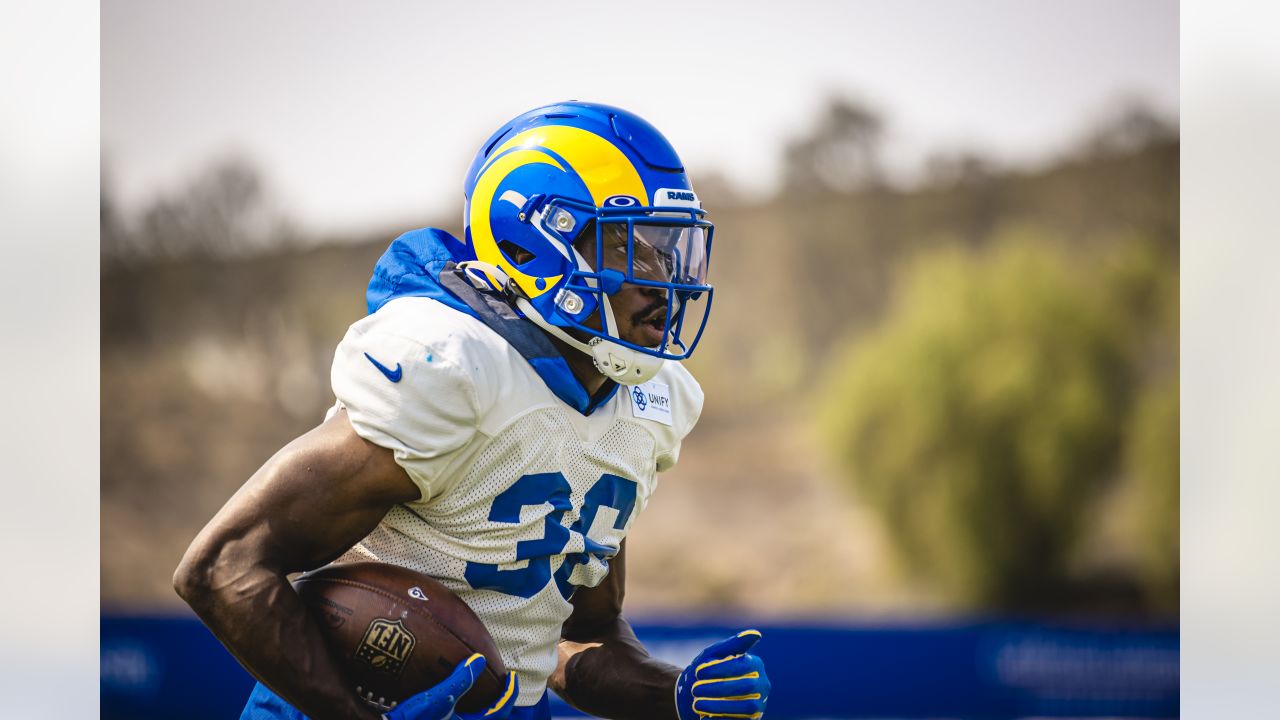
x: 398, y: 632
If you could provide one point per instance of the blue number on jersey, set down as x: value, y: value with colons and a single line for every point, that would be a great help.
x: 529, y: 490
x: 612, y: 491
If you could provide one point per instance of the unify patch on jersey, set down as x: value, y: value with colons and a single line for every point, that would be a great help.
x: 651, y: 401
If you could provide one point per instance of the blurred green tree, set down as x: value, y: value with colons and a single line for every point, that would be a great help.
x: 840, y: 154
x: 983, y: 417
x: 225, y: 210
x: 1152, y: 464
x: 1141, y: 285
x: 115, y: 247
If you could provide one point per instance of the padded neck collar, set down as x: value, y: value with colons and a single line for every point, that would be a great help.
x: 423, y: 263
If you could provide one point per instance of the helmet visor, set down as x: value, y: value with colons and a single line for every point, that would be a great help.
x: 667, y: 254
x: 665, y: 258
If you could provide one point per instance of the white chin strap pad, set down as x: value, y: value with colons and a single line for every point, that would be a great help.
x: 622, y: 364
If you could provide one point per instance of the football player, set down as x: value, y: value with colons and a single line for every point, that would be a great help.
x: 501, y: 417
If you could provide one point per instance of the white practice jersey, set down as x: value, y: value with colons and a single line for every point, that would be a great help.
x: 523, y: 496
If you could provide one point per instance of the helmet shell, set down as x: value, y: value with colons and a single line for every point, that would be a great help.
x: 598, y: 155
x: 544, y: 176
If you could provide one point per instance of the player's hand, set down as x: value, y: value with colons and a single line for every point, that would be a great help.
x: 724, y: 681
x: 438, y: 702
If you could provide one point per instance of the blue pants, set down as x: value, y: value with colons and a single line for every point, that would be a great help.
x: 266, y: 705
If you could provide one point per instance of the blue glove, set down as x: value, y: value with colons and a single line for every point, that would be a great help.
x: 724, y: 681
x: 437, y: 703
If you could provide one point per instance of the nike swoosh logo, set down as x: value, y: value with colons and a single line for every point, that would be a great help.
x: 392, y: 375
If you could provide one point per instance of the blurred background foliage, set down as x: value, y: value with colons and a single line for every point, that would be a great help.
x: 955, y: 394
x: 985, y: 417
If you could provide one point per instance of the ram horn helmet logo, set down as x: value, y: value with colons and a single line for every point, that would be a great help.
x: 386, y: 646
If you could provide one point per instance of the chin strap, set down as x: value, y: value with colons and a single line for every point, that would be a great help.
x: 620, y: 364
x: 487, y: 278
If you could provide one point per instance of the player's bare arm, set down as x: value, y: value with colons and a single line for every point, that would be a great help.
x: 315, y: 498
x: 604, y: 670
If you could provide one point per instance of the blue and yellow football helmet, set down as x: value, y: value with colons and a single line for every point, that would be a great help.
x: 571, y: 172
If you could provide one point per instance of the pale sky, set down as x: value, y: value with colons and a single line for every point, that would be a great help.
x: 368, y: 113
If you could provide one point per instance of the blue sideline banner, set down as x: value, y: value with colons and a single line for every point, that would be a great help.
x: 974, y: 669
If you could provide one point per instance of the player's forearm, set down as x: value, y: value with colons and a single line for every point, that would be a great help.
x: 257, y: 615
x: 610, y: 674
